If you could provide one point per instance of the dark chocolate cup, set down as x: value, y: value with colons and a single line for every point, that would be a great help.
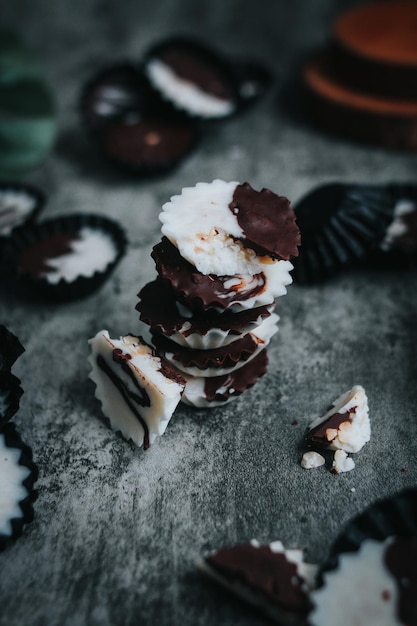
x: 10, y: 349
x: 114, y: 93
x: 195, y: 52
x: 131, y: 126
x: 148, y: 146
x: 24, y: 238
x: 10, y: 394
x: 395, y: 516
x: 13, y: 440
x: 340, y: 226
x: 10, y: 216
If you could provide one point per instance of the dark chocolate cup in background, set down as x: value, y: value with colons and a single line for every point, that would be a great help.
x: 29, y: 248
x: 13, y: 440
x: 19, y: 204
x: 198, y: 65
x: 340, y: 226
x: 130, y: 124
x: 395, y: 516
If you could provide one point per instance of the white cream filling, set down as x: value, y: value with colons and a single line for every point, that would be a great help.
x: 92, y: 252
x: 359, y: 592
x: 14, y: 208
x: 164, y: 393
x: 12, y: 491
x: 353, y: 434
x: 185, y: 94
x: 398, y: 227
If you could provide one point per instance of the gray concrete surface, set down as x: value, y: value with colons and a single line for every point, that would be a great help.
x: 117, y: 530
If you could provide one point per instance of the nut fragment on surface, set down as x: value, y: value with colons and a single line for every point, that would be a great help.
x: 312, y: 459
x: 342, y: 462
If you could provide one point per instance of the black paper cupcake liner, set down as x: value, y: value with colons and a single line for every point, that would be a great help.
x: 13, y: 440
x: 130, y: 124
x: 10, y: 394
x: 10, y: 349
x: 395, y: 516
x: 27, y: 253
x: 340, y: 226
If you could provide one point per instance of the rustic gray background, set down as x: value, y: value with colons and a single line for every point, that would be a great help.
x: 117, y: 530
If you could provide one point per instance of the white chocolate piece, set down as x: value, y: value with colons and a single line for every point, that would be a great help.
x: 206, y: 232
x: 312, y: 459
x: 12, y: 490
x: 342, y: 462
x: 351, y: 435
x: 143, y: 380
x: 261, y: 335
x: 91, y: 252
x: 359, y: 592
x: 184, y: 94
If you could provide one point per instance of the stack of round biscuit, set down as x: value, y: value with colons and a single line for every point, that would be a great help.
x: 222, y: 262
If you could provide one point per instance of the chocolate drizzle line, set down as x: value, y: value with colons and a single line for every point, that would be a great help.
x: 142, y: 399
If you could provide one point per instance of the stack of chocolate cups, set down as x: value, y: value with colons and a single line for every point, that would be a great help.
x: 223, y: 260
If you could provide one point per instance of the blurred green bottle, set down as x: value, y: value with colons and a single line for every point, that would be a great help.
x: 27, y: 110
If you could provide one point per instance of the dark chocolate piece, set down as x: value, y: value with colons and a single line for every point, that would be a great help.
x: 317, y: 437
x: 158, y: 308
x: 11, y: 214
x: 267, y: 221
x: 193, y: 287
x: 238, y: 381
x: 227, y: 356
x: 266, y: 572
x: 34, y: 260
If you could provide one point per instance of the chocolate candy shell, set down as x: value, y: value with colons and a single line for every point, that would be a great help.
x: 24, y: 238
x: 340, y: 225
x: 200, y: 62
x: 13, y: 440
